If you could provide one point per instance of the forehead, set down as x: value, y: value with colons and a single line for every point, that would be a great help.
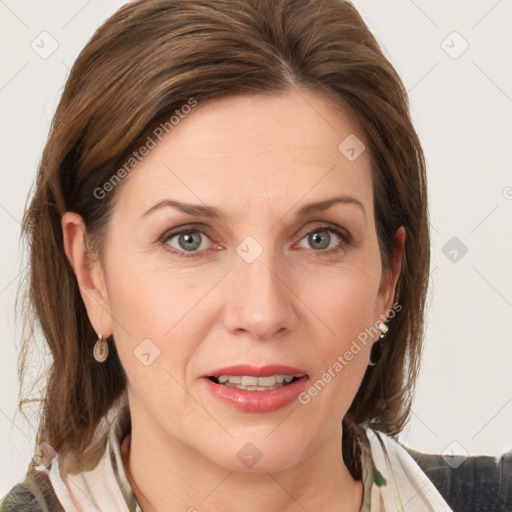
x: 244, y: 152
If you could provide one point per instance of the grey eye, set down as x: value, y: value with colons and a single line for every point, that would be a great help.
x: 320, y: 239
x: 188, y: 241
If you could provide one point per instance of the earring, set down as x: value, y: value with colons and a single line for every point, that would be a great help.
x: 376, y: 352
x: 100, y: 349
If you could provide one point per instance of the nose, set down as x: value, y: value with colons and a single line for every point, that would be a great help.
x: 261, y: 302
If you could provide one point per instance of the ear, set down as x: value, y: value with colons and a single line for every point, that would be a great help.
x: 390, y: 276
x: 88, y: 271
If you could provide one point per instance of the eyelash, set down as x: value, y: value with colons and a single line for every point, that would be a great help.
x: 345, y: 237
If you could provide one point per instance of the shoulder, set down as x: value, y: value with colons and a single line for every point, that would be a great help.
x: 398, y: 479
x: 466, y: 484
x: 34, y: 494
x: 470, y: 484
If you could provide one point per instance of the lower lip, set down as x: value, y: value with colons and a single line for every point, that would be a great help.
x: 258, y: 401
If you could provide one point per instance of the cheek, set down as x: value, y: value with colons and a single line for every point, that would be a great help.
x: 347, y: 308
x: 162, y: 311
x: 346, y: 299
x: 148, y: 309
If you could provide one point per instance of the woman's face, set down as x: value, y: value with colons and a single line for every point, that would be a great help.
x: 247, y: 286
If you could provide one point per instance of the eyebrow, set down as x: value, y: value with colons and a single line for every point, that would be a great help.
x: 215, y: 213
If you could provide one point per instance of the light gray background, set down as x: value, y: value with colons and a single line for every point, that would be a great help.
x: 461, y: 104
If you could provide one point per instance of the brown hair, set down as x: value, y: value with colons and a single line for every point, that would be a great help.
x: 146, y: 61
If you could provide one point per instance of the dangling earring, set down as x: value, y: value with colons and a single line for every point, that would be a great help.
x: 100, y: 349
x: 376, y: 352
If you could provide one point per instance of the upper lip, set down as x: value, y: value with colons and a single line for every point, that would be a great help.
x: 257, y: 371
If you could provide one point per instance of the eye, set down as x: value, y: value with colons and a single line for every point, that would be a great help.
x: 192, y: 241
x: 189, y: 242
x: 320, y: 238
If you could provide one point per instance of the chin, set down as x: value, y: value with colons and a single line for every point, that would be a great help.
x: 245, y: 456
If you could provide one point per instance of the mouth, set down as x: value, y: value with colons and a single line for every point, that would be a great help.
x: 256, y: 389
x: 253, y: 383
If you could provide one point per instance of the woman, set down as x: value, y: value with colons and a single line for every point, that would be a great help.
x: 229, y: 262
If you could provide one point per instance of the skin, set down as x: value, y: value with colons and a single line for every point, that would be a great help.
x: 258, y: 159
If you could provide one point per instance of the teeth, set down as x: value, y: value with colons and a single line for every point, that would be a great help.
x: 249, y: 381
x: 252, y: 383
x: 266, y: 381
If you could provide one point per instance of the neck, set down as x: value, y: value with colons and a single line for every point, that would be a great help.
x: 166, y: 476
